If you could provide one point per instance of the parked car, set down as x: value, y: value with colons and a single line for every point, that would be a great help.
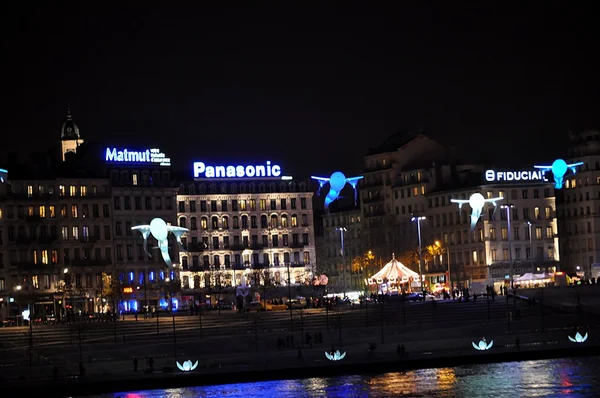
x: 225, y: 305
x: 418, y: 296
x: 296, y: 304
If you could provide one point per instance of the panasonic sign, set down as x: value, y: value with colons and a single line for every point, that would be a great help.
x: 114, y: 155
x: 512, y: 176
x: 202, y: 170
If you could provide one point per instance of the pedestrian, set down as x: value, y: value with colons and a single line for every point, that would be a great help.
x: 151, y: 362
x: 518, y: 344
x: 135, y: 364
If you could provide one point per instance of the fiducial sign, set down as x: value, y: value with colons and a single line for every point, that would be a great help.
x: 154, y: 155
x: 202, y: 170
x: 510, y: 176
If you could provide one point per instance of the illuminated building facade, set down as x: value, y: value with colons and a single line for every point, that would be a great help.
x: 55, y: 234
x: 243, y: 231
x: 579, y: 207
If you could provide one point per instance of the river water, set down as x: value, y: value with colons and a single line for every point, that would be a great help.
x: 570, y: 377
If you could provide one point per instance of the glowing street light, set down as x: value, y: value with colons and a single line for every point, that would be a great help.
x: 418, y: 220
x: 509, y: 206
x: 529, y: 223
x: 342, y: 232
x: 439, y: 244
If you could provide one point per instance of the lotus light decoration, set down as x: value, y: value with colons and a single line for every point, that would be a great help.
x: 578, y: 338
x: 187, y: 366
x: 335, y: 356
x: 483, y: 345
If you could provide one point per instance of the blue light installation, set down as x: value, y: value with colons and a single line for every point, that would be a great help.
x: 160, y: 230
x: 337, y: 182
x: 476, y: 202
x: 559, y: 168
x: 579, y: 338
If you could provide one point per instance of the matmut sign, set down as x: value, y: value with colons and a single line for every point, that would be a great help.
x: 202, y: 170
x: 512, y: 176
x: 154, y: 155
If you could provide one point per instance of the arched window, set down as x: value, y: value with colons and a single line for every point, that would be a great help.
x: 253, y: 222
x: 196, y: 281
x: 202, y: 188
x: 184, y: 262
x: 272, y: 187
x: 214, y: 221
x: 213, y: 188
x: 225, y: 222
x: 261, y: 188
x: 242, y: 188
x: 263, y: 221
x: 274, y: 221
x: 284, y: 221
x: 182, y: 222
x: 295, y: 220
x: 192, y: 189
x: 223, y: 188
x: 244, y: 222
x: 186, y: 282
x: 193, y: 224
x: 282, y: 187
x: 204, y: 223
x: 252, y: 187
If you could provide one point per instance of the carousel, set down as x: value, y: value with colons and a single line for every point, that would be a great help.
x: 394, y: 278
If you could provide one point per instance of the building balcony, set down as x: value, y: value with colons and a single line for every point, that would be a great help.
x: 33, y: 218
x: 297, y: 245
x: 47, y: 240
x: 24, y: 240
x: 195, y: 247
x: 256, y: 246
x: 236, y: 247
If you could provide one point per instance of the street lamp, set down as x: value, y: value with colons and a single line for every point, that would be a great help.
x: 418, y: 220
x: 509, y: 206
x: 529, y: 223
x: 439, y: 244
x: 342, y: 232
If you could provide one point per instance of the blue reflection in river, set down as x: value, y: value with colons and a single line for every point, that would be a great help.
x: 572, y: 377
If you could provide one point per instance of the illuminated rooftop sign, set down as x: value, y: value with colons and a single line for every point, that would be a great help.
x: 202, y: 170
x: 512, y: 176
x: 153, y: 156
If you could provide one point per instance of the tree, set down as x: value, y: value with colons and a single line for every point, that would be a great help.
x: 217, y: 281
x: 268, y: 283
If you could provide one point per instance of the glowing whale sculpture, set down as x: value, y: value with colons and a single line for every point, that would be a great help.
x: 559, y: 168
x: 160, y: 230
x: 337, y: 182
x: 335, y: 356
x: 476, y: 201
x: 483, y: 345
x: 187, y: 366
x: 578, y: 338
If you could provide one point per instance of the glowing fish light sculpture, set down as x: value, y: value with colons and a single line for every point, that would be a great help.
x: 559, y: 168
x: 335, y: 356
x: 476, y: 202
x: 483, y: 345
x: 187, y: 366
x: 160, y: 231
x: 578, y: 338
x: 337, y: 182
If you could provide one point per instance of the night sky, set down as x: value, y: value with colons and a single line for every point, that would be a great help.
x: 309, y: 88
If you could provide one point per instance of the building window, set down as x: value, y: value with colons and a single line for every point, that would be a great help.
x: 538, y: 233
x: 504, y: 232
x: 536, y: 212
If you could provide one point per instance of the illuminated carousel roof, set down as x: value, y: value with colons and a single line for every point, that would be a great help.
x: 394, y: 272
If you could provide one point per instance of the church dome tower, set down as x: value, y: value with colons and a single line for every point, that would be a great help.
x: 69, y: 136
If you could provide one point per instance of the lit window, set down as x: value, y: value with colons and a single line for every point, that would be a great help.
x: 30, y: 210
x: 135, y: 179
x: 74, y: 212
x: 536, y: 212
x: 83, y: 190
x: 415, y: 191
x: 61, y: 190
x: 422, y: 189
x: 29, y: 191
x: 42, y: 211
x: 44, y: 256
x: 72, y: 190
x: 76, y: 233
x: 51, y: 210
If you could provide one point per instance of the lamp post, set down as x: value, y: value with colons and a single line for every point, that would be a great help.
x: 447, y: 250
x: 342, y: 232
x: 509, y: 206
x: 418, y: 220
x: 529, y: 223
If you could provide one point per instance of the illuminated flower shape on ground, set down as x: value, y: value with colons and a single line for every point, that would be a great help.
x: 187, y: 366
x: 335, y: 356
x: 483, y: 345
x: 578, y: 338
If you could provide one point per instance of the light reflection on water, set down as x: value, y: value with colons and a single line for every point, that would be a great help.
x: 572, y: 377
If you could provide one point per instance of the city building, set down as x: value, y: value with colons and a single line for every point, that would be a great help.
x: 351, y: 266
x: 411, y: 176
x: 246, y: 229
x: 55, y: 227
x: 142, y: 190
x: 579, y: 207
